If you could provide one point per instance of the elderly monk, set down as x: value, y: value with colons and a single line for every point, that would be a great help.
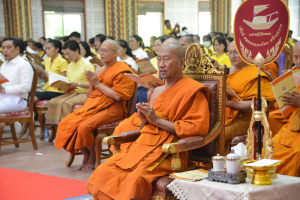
x: 243, y: 80
x: 287, y: 140
x: 276, y: 120
x: 177, y: 110
x: 106, y: 103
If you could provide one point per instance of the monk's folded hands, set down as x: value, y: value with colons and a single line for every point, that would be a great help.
x: 292, y: 98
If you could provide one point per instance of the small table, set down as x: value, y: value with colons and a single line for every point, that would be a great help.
x: 284, y: 187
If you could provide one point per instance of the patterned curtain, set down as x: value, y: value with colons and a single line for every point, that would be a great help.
x: 17, y: 16
x: 121, y: 18
x: 221, y: 15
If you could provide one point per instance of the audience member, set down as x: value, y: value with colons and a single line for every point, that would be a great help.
x: 220, y: 47
x: 135, y: 43
x: 125, y: 55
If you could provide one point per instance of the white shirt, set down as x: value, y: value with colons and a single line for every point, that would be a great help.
x: 140, y: 54
x: 88, y: 58
x: 130, y: 62
x: 20, y: 74
x: 2, y: 58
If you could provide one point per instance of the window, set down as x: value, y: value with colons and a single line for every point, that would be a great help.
x: 58, y: 25
x: 204, y: 19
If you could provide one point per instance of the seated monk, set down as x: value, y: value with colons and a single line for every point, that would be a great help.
x: 14, y: 94
x: 176, y: 110
x: 243, y: 80
x: 287, y: 140
x: 106, y: 103
x: 276, y: 120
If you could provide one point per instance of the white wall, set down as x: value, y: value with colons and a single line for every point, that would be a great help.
x: 95, y: 17
x: 294, y: 17
x: 235, y: 4
x: 2, y: 22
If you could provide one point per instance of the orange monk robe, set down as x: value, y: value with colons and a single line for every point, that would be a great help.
x: 130, y: 173
x: 287, y: 145
x: 272, y: 69
x: 276, y: 120
x: 76, y: 130
x: 244, y: 83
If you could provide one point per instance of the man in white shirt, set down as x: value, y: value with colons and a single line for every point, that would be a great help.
x: 13, y: 94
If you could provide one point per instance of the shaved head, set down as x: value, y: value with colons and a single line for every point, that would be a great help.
x: 185, y: 41
x: 111, y: 43
x: 170, y: 40
x: 175, y: 48
x: 109, y: 52
x: 296, y: 54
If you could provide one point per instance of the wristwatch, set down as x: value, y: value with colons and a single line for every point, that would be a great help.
x: 79, y: 84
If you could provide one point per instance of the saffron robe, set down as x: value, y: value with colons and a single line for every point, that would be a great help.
x: 272, y: 69
x: 244, y: 84
x: 130, y: 173
x: 287, y: 145
x: 75, y: 131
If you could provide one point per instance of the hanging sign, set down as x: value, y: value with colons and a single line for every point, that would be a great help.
x: 261, y: 26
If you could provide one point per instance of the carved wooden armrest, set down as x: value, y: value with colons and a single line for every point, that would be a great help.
x: 125, y: 137
x: 182, y: 145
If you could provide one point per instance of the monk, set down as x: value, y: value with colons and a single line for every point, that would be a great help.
x: 276, y: 120
x: 243, y: 80
x: 176, y: 110
x: 287, y: 140
x: 106, y: 103
x: 271, y: 70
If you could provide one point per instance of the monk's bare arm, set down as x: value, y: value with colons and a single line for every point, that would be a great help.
x: 165, y: 125
x: 108, y: 91
x: 244, y: 106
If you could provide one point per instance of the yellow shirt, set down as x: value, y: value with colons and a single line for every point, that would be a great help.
x: 153, y: 61
x: 93, y: 51
x: 211, y: 47
x: 59, y: 66
x: 76, y: 73
x: 41, y: 53
x: 223, y: 59
x: 1, y: 49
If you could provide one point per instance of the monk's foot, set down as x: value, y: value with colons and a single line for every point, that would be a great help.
x: 88, y: 167
x: 26, y: 135
x: 80, y: 168
x: 86, y: 157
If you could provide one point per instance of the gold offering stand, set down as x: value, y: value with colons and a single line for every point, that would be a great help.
x: 259, y: 175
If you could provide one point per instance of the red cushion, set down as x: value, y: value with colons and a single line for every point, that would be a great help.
x: 111, y: 125
x: 76, y: 106
x: 24, y: 113
x: 43, y: 103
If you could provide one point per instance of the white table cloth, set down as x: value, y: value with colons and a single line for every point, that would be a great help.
x: 284, y: 187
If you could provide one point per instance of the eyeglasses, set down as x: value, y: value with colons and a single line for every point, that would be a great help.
x: 105, y: 51
x: 234, y: 53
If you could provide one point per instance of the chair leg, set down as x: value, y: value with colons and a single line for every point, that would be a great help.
x: 42, y: 123
x: 53, y: 132
x: 71, y: 159
x: 98, y: 147
x: 32, y: 134
x: 2, y: 124
x: 14, y: 135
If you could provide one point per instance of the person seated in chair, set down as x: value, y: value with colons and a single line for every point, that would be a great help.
x: 185, y: 41
x: 19, y: 73
x: 243, y: 80
x: 176, y: 110
x: 110, y: 90
x: 286, y: 141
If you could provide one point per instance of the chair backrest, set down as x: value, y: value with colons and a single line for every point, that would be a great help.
x: 288, y: 58
x: 200, y: 67
x: 31, y: 94
x: 96, y: 61
x: 131, y: 102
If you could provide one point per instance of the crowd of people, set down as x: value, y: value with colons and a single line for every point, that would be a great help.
x: 163, y: 114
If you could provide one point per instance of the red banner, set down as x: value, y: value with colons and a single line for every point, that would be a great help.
x: 261, y: 26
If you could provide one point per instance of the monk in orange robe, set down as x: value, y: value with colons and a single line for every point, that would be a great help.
x: 243, y: 80
x: 287, y: 140
x: 107, y: 96
x: 271, y: 70
x: 176, y: 110
x: 276, y: 120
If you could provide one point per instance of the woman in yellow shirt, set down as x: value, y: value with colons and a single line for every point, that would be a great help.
x: 61, y: 106
x: 38, y: 47
x: 157, y: 45
x: 220, y: 47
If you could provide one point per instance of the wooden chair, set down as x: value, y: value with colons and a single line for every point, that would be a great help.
x: 22, y: 116
x: 201, y: 149
x: 96, y: 61
x: 103, y: 131
x: 288, y: 53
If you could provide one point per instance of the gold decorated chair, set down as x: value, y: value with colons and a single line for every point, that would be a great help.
x: 199, y: 67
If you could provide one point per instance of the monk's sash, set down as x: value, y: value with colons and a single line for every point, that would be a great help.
x: 296, y: 120
x: 241, y: 82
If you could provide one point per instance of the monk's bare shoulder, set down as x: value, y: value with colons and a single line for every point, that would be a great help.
x: 157, y: 91
x: 99, y: 70
x: 297, y: 78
